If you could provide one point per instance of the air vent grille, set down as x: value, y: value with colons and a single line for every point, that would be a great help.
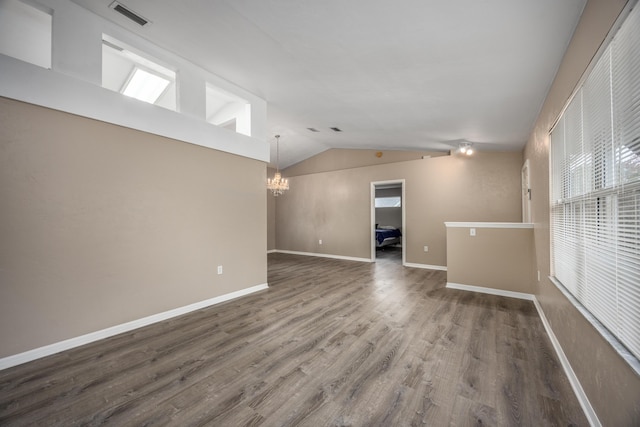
x: 123, y: 10
x: 336, y: 129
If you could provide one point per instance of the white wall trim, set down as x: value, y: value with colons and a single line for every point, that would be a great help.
x: 272, y: 251
x: 426, y: 266
x: 342, y: 257
x: 37, y: 353
x: 489, y: 224
x: 589, y: 412
x: 491, y: 291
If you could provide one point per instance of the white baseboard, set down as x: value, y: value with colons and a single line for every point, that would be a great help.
x: 342, y: 257
x: 272, y: 251
x: 348, y: 258
x: 589, y: 412
x: 426, y: 266
x: 491, y: 291
x: 37, y: 353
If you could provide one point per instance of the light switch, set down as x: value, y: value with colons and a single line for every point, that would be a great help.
x: 472, y: 232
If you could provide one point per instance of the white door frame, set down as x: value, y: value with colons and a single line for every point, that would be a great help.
x: 526, y: 192
x: 372, y: 224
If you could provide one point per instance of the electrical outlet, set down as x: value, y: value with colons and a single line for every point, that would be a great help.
x: 426, y: 248
x: 219, y: 269
x: 472, y: 232
x: 320, y: 241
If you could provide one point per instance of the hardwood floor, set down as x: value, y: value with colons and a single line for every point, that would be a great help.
x: 391, y: 253
x: 334, y: 343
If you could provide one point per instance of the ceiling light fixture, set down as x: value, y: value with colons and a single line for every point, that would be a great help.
x: 466, y: 148
x: 277, y: 185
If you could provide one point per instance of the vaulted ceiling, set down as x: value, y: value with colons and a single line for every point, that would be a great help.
x: 407, y: 74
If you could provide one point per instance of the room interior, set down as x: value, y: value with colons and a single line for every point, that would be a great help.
x: 388, y: 217
x: 109, y: 203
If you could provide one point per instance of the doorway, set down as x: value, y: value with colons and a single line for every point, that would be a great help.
x: 388, y: 218
x: 526, y: 192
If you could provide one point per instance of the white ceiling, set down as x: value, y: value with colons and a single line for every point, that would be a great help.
x: 408, y: 74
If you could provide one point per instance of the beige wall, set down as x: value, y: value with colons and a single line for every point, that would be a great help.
x: 336, y: 206
x: 611, y: 386
x: 498, y: 258
x: 101, y: 225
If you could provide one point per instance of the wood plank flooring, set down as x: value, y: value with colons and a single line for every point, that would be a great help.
x: 330, y: 343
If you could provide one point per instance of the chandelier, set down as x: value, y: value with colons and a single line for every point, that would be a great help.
x: 277, y: 185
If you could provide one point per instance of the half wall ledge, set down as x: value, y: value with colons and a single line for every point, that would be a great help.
x: 495, y: 255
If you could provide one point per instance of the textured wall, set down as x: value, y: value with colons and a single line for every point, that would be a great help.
x: 336, y: 206
x: 611, y: 386
x: 102, y: 225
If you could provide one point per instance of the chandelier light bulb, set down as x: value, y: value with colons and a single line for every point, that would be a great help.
x: 277, y: 184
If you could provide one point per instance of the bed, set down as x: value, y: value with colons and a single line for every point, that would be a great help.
x: 387, y: 235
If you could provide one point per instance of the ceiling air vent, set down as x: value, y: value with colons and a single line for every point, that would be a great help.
x: 123, y: 10
x: 336, y: 129
x: 313, y: 129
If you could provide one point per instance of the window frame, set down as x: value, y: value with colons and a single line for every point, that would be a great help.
x: 599, y: 191
x: 398, y: 203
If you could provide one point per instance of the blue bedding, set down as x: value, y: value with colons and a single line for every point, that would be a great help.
x: 382, y: 234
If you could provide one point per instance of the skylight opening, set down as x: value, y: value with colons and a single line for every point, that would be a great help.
x: 145, y: 86
x: 228, y: 110
x: 136, y: 74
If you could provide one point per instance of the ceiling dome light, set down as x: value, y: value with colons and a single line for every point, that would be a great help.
x: 466, y: 148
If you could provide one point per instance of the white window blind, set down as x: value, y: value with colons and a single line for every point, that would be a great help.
x: 595, y: 189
